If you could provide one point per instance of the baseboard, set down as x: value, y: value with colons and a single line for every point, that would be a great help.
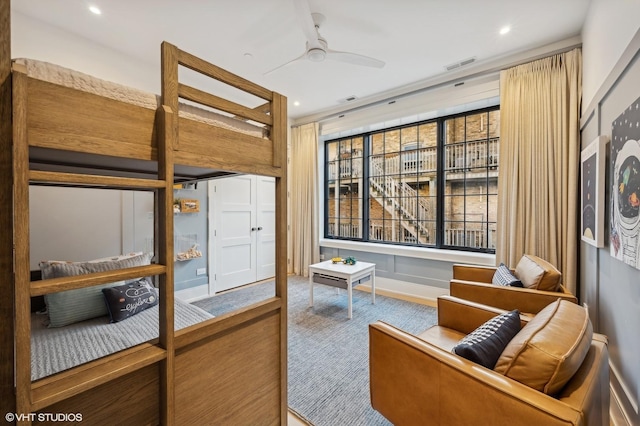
x: 623, y: 408
x: 193, y: 294
x: 411, y: 292
x: 616, y: 412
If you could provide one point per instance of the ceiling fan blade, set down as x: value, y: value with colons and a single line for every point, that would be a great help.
x: 303, y: 12
x: 354, y: 58
x: 303, y: 56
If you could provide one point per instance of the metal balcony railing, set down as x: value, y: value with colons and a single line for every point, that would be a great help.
x: 413, y: 212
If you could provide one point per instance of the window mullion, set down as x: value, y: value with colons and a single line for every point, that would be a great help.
x: 440, y: 184
x: 366, y: 203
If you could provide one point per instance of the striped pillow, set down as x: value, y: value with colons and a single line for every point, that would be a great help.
x: 68, y: 307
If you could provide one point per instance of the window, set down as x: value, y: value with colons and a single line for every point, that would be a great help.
x: 345, y: 171
x: 430, y: 184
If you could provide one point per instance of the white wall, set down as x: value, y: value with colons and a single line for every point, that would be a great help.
x: 74, y: 223
x: 608, y: 28
x: 35, y: 39
x: 475, y: 93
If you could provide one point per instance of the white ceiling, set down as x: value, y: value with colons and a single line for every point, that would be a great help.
x: 416, y: 38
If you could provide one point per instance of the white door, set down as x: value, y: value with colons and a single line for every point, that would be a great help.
x: 266, y: 229
x: 244, y: 230
x: 235, y: 262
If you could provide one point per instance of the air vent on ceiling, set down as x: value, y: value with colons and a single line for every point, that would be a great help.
x: 461, y: 63
x: 348, y: 99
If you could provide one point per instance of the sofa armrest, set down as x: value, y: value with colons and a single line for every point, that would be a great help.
x: 483, y: 274
x: 524, y: 299
x: 414, y: 383
x: 464, y: 315
x: 589, y: 386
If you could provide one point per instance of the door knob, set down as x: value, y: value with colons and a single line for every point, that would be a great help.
x: 254, y: 229
x: 259, y: 228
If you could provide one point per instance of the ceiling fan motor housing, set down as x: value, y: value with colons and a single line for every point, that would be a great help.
x: 317, y: 53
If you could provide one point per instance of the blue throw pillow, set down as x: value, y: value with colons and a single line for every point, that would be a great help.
x: 126, y: 300
x: 503, y: 276
x: 485, y: 344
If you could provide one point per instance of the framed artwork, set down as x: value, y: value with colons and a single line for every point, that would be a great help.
x: 624, y: 231
x: 593, y: 165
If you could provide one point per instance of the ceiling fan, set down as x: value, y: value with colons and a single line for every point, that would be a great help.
x: 317, y: 49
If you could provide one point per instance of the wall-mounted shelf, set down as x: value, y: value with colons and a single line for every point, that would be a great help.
x: 186, y: 247
x: 190, y: 186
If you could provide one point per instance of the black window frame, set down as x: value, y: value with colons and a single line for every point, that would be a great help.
x: 440, y: 184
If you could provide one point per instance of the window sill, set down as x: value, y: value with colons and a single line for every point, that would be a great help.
x: 452, y: 256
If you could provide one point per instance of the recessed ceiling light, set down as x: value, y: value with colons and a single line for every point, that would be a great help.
x: 95, y: 10
x: 505, y: 30
x: 296, y: 103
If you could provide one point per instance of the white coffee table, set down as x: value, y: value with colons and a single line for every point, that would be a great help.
x: 342, y: 276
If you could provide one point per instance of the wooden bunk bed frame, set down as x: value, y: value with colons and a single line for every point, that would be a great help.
x: 231, y: 369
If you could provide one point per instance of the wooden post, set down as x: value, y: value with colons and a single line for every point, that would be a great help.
x: 280, y: 159
x: 167, y: 142
x: 7, y: 395
x: 166, y: 123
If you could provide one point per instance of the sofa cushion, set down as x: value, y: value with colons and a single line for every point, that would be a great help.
x: 549, y: 349
x: 537, y: 273
x: 485, y: 344
x: 504, y: 277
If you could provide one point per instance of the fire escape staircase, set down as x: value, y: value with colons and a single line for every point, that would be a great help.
x: 401, y: 201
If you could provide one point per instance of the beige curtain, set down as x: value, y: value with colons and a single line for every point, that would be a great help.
x: 305, y: 249
x: 539, y: 162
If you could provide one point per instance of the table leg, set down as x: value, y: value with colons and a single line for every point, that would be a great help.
x: 373, y: 286
x: 350, y: 296
x: 310, y: 289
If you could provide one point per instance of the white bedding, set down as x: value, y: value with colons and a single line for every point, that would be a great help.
x: 77, y: 80
x: 57, y: 349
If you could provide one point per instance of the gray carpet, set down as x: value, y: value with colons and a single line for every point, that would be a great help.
x: 328, y: 353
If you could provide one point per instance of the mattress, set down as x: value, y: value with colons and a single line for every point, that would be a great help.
x: 58, y: 349
x: 77, y: 80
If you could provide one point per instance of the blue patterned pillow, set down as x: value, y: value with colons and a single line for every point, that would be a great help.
x: 126, y: 300
x: 503, y: 276
x: 485, y: 344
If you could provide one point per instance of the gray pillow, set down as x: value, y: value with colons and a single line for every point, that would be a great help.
x: 57, y: 268
x: 68, y: 307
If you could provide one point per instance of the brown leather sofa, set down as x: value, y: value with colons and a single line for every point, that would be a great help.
x: 417, y: 380
x: 473, y: 282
